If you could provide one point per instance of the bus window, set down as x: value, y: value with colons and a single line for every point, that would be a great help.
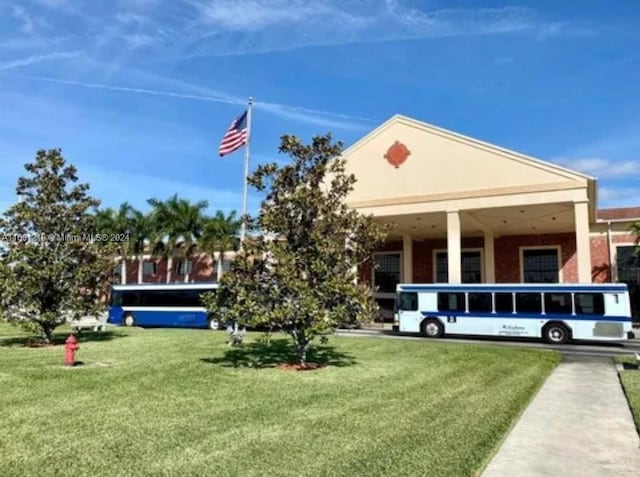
x: 480, y: 302
x: 116, y: 298
x: 559, y: 303
x: 589, y: 303
x: 504, y: 302
x: 528, y: 303
x: 408, y: 301
x: 451, y: 302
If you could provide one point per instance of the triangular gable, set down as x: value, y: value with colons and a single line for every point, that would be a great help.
x: 443, y: 163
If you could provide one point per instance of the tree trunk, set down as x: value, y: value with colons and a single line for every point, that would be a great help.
x: 140, y: 267
x: 169, y: 268
x: 123, y: 271
x: 219, y: 266
x: 47, y: 332
x: 302, y: 345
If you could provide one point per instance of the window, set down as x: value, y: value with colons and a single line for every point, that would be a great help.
x: 149, y: 268
x: 471, y: 267
x: 386, y: 274
x: 480, y: 302
x: 408, y: 301
x: 116, y: 298
x: 540, y: 266
x: 557, y: 303
x: 226, y: 265
x: 184, y: 266
x: 628, y: 264
x: 589, y: 303
x: 528, y: 302
x: 451, y: 302
x: 504, y: 302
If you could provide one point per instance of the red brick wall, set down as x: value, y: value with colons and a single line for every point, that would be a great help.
x: 507, y: 251
x: 203, y: 270
x: 507, y: 255
x: 600, y: 264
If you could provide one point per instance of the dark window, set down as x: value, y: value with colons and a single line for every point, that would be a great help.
x: 504, y: 302
x: 149, y: 268
x: 528, y: 303
x: 184, y: 267
x: 387, y: 272
x: 480, y: 302
x: 169, y: 298
x: 471, y: 267
x: 559, y: 303
x: 116, y: 298
x: 628, y: 264
x: 540, y: 266
x: 451, y: 302
x: 117, y: 270
x: 408, y: 301
x: 589, y: 303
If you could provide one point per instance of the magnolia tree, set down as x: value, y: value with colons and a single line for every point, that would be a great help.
x: 297, y: 272
x: 52, y: 266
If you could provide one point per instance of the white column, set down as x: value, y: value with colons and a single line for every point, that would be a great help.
x: 407, y: 258
x: 489, y: 259
x: 453, y: 247
x: 583, y: 248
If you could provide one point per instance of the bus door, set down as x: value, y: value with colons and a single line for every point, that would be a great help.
x: 407, y: 313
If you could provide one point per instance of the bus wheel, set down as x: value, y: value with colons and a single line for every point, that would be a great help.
x: 432, y: 329
x: 129, y: 320
x: 213, y: 323
x: 555, y: 333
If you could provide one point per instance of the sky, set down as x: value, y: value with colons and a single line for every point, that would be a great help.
x: 138, y: 93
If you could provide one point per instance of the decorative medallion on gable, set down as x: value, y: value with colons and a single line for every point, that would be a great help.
x: 397, y: 154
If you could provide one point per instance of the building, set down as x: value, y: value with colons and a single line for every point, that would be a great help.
x: 470, y: 212
x: 467, y: 211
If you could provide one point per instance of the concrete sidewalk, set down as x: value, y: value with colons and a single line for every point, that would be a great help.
x: 579, y: 424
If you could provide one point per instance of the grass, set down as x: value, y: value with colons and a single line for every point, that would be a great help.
x: 630, y: 378
x: 181, y: 402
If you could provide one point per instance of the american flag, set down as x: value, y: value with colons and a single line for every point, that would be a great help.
x: 235, y: 137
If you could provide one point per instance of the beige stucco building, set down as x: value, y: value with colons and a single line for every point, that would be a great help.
x: 468, y: 211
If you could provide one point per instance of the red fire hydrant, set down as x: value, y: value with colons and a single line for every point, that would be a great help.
x: 70, y: 348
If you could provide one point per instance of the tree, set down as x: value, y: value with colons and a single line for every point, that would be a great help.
x: 177, y: 224
x: 53, y: 267
x: 299, y: 274
x: 220, y: 235
x: 141, y: 231
x: 117, y: 223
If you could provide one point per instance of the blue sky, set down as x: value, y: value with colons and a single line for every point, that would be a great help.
x: 138, y: 93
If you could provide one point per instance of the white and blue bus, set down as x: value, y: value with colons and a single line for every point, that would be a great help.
x: 175, y: 305
x: 556, y: 313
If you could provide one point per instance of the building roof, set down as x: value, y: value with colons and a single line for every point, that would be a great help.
x: 621, y: 213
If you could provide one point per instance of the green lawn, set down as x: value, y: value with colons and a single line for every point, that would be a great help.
x: 631, y: 383
x: 180, y: 402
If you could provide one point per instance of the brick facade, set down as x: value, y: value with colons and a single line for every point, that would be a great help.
x: 203, y: 270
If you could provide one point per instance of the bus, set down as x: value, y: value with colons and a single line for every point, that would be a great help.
x: 176, y: 305
x: 557, y: 313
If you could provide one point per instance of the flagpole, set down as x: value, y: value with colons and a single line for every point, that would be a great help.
x: 243, y: 227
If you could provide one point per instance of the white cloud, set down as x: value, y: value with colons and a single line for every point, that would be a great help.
x: 601, y: 168
x: 11, y: 64
x: 618, y: 196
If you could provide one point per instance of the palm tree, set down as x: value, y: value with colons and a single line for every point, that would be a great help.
x: 177, y: 224
x: 110, y: 221
x: 220, y: 235
x: 141, y: 231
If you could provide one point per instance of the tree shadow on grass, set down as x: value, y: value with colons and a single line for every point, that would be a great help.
x: 32, y: 341
x: 278, y: 352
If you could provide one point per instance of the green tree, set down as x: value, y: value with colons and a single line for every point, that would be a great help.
x: 111, y: 222
x: 177, y: 225
x: 298, y: 274
x: 51, y: 268
x: 220, y: 235
x: 141, y: 232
